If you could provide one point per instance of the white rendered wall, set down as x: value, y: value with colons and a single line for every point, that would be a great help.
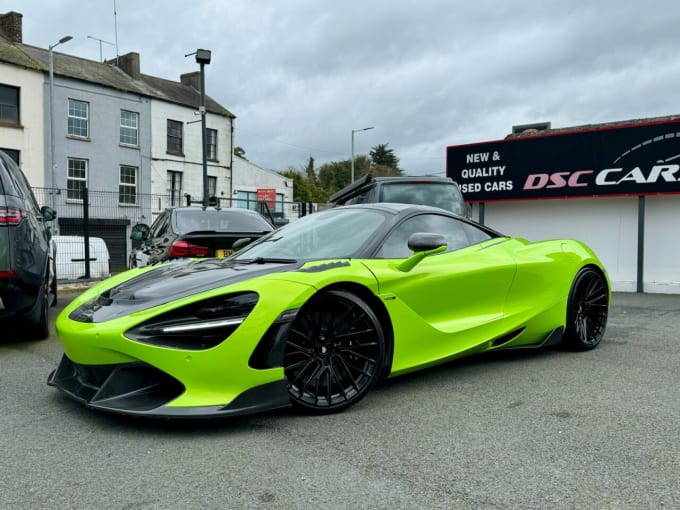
x: 191, y: 165
x: 29, y: 138
x: 662, y: 244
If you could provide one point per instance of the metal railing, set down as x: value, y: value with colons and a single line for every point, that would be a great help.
x: 111, y: 215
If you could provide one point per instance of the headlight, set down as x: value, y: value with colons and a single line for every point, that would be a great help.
x: 196, y: 326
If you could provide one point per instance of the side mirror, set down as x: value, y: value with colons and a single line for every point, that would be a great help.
x: 48, y: 213
x: 240, y: 243
x: 422, y: 245
x: 139, y: 232
x: 423, y: 241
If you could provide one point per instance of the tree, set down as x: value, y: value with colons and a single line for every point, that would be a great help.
x: 382, y: 156
x: 300, y: 189
x: 305, y: 182
x: 240, y: 152
x: 311, y: 176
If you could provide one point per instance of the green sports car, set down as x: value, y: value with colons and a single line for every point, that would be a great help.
x: 315, y: 313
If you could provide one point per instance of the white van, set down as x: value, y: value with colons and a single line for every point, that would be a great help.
x: 71, y: 258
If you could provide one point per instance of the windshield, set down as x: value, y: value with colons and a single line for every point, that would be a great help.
x: 336, y: 233
x: 220, y: 220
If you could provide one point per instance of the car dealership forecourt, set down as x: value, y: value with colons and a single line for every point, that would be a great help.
x: 614, y: 186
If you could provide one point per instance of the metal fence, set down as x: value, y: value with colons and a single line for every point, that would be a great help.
x: 110, y: 215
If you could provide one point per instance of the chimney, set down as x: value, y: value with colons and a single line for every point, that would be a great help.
x: 191, y: 79
x: 128, y: 63
x: 10, y: 25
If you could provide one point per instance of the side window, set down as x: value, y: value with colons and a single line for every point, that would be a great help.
x: 159, y: 226
x: 458, y: 234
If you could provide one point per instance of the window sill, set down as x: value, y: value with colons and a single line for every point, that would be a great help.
x: 128, y: 146
x: 127, y: 205
x: 178, y: 154
x: 11, y: 124
x: 81, y: 138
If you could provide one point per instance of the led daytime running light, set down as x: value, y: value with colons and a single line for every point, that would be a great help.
x: 202, y: 325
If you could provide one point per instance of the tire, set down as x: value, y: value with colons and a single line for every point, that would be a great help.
x: 53, y: 286
x: 587, y: 310
x: 334, y: 353
x: 38, y: 320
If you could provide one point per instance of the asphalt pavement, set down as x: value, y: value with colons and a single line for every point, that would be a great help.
x: 530, y: 430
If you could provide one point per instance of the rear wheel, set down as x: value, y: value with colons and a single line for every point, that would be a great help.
x: 38, y: 323
x: 53, y: 285
x: 334, y: 352
x: 587, y: 310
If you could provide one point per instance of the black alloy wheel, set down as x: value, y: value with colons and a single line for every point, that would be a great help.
x: 334, y: 352
x: 587, y: 310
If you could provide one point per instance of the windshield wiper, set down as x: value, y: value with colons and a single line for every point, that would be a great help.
x: 266, y: 260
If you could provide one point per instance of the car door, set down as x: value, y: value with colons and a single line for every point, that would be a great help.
x: 32, y: 242
x: 449, y: 302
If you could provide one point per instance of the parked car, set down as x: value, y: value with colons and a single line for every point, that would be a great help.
x: 440, y: 192
x: 317, y: 312
x: 27, y: 254
x: 195, y: 232
x: 71, y: 257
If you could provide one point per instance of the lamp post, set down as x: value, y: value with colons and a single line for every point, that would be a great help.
x: 202, y: 58
x: 352, y: 164
x: 53, y: 163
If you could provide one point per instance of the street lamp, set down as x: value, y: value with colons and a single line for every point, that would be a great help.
x: 50, y: 59
x: 356, y: 131
x: 202, y: 58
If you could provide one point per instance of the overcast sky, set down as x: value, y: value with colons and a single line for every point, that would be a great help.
x: 300, y: 75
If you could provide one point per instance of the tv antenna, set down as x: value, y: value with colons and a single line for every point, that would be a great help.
x: 101, y: 58
x: 115, y: 24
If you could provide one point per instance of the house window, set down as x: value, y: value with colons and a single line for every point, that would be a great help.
x: 248, y: 200
x: 9, y: 104
x: 212, y: 186
x: 174, y: 137
x: 175, y: 188
x: 78, y: 118
x: 127, y: 185
x: 129, y: 128
x: 211, y: 144
x: 77, y: 178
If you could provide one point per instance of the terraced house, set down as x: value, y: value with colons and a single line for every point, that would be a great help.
x: 131, y: 140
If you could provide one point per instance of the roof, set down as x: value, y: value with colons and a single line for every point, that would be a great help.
x: 367, y: 181
x: 105, y: 74
x: 592, y: 127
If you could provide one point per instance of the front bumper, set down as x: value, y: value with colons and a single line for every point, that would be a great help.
x: 139, y: 389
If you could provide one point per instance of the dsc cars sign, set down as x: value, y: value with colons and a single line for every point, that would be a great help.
x: 626, y: 159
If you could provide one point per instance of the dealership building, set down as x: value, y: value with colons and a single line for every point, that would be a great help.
x: 614, y: 186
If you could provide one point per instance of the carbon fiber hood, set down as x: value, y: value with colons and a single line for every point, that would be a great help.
x: 169, y: 283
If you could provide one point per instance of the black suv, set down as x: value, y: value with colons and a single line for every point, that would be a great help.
x: 27, y: 255
x: 442, y: 192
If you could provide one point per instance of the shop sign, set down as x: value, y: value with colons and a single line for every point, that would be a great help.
x: 623, y: 160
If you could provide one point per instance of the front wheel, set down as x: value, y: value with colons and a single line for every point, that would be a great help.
x: 587, y: 310
x: 334, y: 352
